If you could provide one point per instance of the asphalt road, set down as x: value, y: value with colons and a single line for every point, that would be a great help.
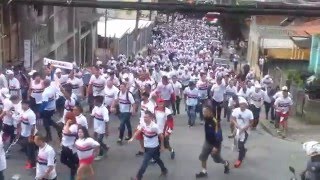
x: 268, y: 158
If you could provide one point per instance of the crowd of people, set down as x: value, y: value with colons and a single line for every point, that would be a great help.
x: 178, y: 72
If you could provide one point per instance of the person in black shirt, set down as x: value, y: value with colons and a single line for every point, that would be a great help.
x: 212, y: 144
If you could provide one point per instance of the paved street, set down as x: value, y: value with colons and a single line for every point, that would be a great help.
x: 268, y: 158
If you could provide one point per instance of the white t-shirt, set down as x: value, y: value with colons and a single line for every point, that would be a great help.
x: 36, y: 91
x: 62, y: 80
x: 218, y: 92
x: 110, y: 95
x: 161, y: 117
x: 100, y: 117
x: 150, y: 134
x: 125, y: 101
x: 3, y: 161
x: 85, y: 147
x: 76, y: 84
x: 256, y: 98
x: 177, y: 88
x: 203, y: 89
x: 98, y: 85
x: 192, y: 96
x: 46, y: 157
x: 28, y: 120
x: 49, y: 95
x: 14, y: 86
x: 144, y: 107
x: 283, y: 104
x: 82, y: 120
x: 165, y: 90
x: 68, y: 138
x: 7, y: 106
x: 243, y: 119
x: 69, y: 104
x: 280, y: 94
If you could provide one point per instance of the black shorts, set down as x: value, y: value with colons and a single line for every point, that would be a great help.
x: 255, y: 111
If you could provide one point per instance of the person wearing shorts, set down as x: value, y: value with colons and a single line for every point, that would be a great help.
x: 212, y: 144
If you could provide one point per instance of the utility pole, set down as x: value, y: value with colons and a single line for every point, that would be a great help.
x: 136, y: 31
x: 105, y: 30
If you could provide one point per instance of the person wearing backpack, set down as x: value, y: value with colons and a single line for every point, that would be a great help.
x: 212, y: 144
x: 127, y: 106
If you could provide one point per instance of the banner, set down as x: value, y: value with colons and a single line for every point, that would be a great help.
x: 58, y: 64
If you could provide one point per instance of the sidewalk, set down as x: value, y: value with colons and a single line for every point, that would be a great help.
x: 298, y: 131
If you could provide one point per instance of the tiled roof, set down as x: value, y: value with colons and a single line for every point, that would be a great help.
x: 307, y: 28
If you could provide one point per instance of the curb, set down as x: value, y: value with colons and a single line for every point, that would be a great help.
x: 271, y: 132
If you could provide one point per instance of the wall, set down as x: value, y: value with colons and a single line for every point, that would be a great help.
x: 314, y: 65
x: 292, y: 54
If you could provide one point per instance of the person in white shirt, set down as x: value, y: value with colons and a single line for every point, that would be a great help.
x: 100, y: 116
x: 266, y: 82
x: 13, y: 84
x: 231, y: 89
x: 6, y: 116
x: 80, y: 118
x: 3, y: 161
x: 203, y: 87
x: 3, y: 80
x: 46, y: 160
x: 242, y: 118
x: 96, y: 86
x: 177, y: 86
x: 48, y: 108
x: 164, y: 120
x: 267, y: 101
x: 146, y: 104
x: 87, y: 148
x: 165, y: 91
x: 25, y: 133
x: 77, y: 85
x: 151, y: 137
x: 35, y: 92
x: 69, y: 134
x: 217, y: 91
x: 127, y: 106
x: 256, y: 98
x: 191, y: 95
x: 111, y: 92
x: 283, y: 106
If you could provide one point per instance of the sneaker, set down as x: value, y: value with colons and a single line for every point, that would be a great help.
x: 201, y: 174
x: 226, y: 167
x: 127, y: 138
x: 237, y: 164
x: 152, y: 161
x: 173, y: 154
x: 201, y: 122
x: 164, y: 172
x: 231, y: 136
x: 119, y: 141
x: 28, y: 166
x: 140, y: 153
x: 98, y: 158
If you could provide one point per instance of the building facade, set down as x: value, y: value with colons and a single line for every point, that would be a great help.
x: 59, y: 33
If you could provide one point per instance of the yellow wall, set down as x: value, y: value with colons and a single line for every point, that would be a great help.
x: 293, y: 54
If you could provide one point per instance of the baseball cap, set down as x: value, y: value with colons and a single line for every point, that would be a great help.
x: 58, y: 70
x: 284, y: 88
x: 9, y: 72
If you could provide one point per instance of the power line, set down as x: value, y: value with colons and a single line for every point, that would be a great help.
x: 258, y: 9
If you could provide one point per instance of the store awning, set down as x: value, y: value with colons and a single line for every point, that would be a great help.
x: 302, y: 42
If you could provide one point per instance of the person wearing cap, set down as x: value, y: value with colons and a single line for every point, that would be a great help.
x: 312, y: 171
x: 283, y: 106
x: 256, y: 100
x: 13, y: 84
x: 242, y: 119
x: 266, y: 82
x: 6, y: 116
x: 191, y: 96
x: 279, y: 93
x: 25, y: 133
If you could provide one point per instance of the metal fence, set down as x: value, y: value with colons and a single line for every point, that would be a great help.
x: 125, y: 43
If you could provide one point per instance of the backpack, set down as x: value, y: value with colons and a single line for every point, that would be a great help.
x: 127, y: 98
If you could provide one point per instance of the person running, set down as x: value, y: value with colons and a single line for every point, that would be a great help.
x: 242, y: 118
x: 164, y: 120
x: 87, y: 148
x: 80, y: 118
x: 152, y: 145
x: 25, y: 133
x: 256, y: 101
x: 46, y: 160
x: 146, y: 105
x: 69, y: 135
x: 3, y: 161
x: 217, y: 91
x: 6, y: 116
x: 100, y: 116
x: 212, y: 144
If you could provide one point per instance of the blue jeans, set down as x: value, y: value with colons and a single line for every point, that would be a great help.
x: 191, y: 111
x: 150, y: 153
x: 125, y: 122
x: 103, y: 146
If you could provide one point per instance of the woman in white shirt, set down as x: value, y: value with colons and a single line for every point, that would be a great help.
x: 87, y: 148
